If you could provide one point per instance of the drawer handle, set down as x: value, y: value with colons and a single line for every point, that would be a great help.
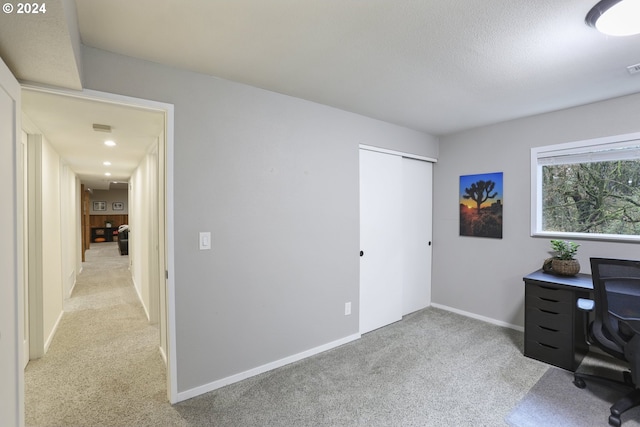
x: 547, y: 329
x: 548, y: 346
x: 548, y: 299
x: 549, y: 288
x: 548, y: 311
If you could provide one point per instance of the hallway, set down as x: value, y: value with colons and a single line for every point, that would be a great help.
x: 103, y: 366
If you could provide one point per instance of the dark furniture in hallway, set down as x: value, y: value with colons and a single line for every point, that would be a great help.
x: 103, y: 234
x: 123, y: 240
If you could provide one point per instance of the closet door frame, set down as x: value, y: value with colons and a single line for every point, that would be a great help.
x: 397, y: 306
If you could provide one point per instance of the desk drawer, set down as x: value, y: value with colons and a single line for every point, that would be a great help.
x: 552, y: 320
x: 550, y: 293
x: 552, y: 299
x: 548, y: 336
x: 558, y: 356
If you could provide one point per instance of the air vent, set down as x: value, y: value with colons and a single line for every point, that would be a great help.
x: 101, y: 128
x: 633, y: 69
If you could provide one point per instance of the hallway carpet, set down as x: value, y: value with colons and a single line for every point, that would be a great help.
x: 433, y: 368
x: 103, y: 367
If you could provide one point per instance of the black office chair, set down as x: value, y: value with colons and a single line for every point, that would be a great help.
x: 616, y: 325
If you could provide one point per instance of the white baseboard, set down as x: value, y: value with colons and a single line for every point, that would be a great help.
x: 47, y: 342
x: 478, y: 317
x: 163, y: 354
x: 144, y: 307
x: 73, y: 278
x: 188, y: 394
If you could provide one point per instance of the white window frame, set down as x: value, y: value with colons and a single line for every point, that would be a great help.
x: 574, y: 151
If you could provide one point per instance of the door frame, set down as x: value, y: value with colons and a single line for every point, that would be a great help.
x: 12, y: 292
x: 168, y: 291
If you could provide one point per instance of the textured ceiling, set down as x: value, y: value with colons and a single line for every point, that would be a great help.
x: 43, y: 47
x: 435, y: 66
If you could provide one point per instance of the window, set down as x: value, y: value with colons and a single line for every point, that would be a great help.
x: 587, y: 189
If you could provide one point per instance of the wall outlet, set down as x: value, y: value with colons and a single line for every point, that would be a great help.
x: 347, y: 308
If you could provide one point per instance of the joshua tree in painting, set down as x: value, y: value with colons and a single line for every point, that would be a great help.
x: 480, y: 192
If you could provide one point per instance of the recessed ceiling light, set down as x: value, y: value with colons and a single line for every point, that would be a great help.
x: 615, y: 17
x: 107, y: 174
x: 110, y: 143
x: 106, y: 163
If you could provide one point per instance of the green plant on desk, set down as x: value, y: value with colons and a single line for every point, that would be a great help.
x: 564, y: 263
x: 564, y: 249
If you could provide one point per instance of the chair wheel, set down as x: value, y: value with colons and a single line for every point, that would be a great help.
x: 579, y: 382
x: 614, y: 421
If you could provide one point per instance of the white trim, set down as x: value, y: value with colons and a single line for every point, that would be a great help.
x: 47, y: 343
x: 144, y: 307
x: 479, y: 317
x: 188, y: 394
x: 397, y: 153
x: 168, y: 110
x: 572, y: 149
x: 163, y: 354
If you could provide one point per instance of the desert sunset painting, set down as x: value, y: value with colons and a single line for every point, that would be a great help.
x: 481, y: 203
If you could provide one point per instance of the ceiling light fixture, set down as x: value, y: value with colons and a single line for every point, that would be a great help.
x: 107, y: 174
x: 110, y: 143
x: 106, y: 163
x: 615, y: 17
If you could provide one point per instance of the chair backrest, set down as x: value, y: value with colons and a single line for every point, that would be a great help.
x: 616, y: 284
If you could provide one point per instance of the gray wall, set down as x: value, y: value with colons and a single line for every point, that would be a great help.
x: 275, y: 179
x: 484, y: 276
x: 110, y: 196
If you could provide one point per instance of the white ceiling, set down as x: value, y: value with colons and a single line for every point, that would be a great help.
x: 67, y: 123
x: 431, y: 65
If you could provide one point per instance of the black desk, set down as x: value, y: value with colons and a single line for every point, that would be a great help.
x: 553, y: 325
x: 105, y: 233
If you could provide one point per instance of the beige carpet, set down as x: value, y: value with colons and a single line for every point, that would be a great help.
x: 433, y: 368
x: 103, y: 367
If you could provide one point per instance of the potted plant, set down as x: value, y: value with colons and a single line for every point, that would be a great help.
x: 564, y: 262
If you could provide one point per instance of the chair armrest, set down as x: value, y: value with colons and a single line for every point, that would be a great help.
x: 585, y: 304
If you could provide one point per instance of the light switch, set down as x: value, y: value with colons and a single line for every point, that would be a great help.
x: 205, y: 240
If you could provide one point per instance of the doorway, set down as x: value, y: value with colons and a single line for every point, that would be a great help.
x: 154, y: 246
x: 395, y: 236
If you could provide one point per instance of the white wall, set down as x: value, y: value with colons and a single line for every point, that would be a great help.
x: 54, y: 237
x: 11, y: 323
x: 484, y: 276
x: 275, y: 179
x: 50, y: 241
x: 69, y: 238
x: 140, y: 232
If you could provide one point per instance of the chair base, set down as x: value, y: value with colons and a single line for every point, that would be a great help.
x: 630, y: 400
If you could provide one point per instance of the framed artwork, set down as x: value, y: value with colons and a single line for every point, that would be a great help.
x: 117, y: 206
x: 481, y: 203
x: 99, y: 206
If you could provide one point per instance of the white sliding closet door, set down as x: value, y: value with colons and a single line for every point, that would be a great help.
x: 417, y: 225
x: 380, y: 240
x: 395, y: 237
